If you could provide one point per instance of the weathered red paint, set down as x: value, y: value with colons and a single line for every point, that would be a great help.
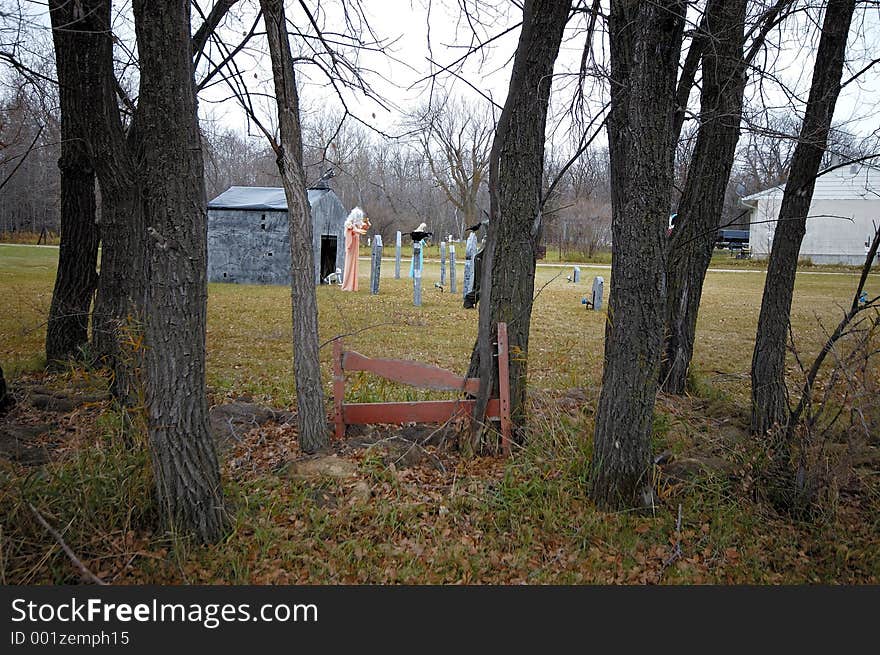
x: 418, y: 375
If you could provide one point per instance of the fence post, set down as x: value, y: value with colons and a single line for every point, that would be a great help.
x: 397, y: 257
x: 417, y: 273
x: 452, y: 287
x: 376, y: 265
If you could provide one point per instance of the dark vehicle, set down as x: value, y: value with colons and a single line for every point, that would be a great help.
x: 732, y: 239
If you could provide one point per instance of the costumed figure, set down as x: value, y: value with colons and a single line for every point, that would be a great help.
x: 420, y: 235
x: 355, y: 225
x: 473, y: 296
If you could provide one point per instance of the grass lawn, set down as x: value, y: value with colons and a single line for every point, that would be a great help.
x: 481, y: 520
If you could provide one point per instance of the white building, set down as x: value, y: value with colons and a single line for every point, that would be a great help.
x: 842, y: 219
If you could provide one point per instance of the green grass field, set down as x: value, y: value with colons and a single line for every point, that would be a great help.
x: 249, y: 336
x: 527, y: 519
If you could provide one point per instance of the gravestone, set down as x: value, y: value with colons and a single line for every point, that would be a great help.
x: 397, y: 257
x: 417, y: 274
x: 442, y: 263
x: 598, y: 288
x: 376, y: 265
x: 576, y: 275
x: 452, y: 288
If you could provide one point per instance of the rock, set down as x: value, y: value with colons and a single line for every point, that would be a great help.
x: 330, y: 466
x: 17, y: 443
x: 52, y: 403
x: 690, y: 468
x: 361, y: 492
x: 323, y: 498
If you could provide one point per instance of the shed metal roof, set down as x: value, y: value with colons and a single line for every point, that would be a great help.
x: 264, y: 198
x: 845, y: 183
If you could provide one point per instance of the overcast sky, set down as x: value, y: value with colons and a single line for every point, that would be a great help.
x: 419, y: 32
x: 422, y: 35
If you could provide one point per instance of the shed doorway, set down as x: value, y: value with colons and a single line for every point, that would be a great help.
x: 328, y: 256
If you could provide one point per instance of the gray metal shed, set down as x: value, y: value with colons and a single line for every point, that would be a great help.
x: 249, y: 242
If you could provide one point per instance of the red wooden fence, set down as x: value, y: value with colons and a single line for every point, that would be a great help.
x: 420, y: 375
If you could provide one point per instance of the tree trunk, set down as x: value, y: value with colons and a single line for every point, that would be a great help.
x: 699, y: 211
x: 67, y: 330
x: 313, y: 433
x: 117, y: 313
x: 516, y: 167
x: 183, y: 451
x: 117, y: 324
x: 6, y: 400
x: 769, y: 394
x: 645, y: 43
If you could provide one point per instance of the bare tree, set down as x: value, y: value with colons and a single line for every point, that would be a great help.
x: 516, y: 166
x: 769, y: 396
x: 307, y: 370
x: 456, y: 139
x: 859, y: 323
x: 699, y: 210
x: 151, y: 176
x: 184, y: 457
x: 118, y: 308
x: 645, y: 42
x: 76, y: 278
x: 29, y: 150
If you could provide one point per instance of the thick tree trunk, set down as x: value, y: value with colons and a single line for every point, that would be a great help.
x: 117, y: 313
x: 699, y: 211
x: 117, y: 324
x: 313, y: 432
x: 183, y: 451
x: 645, y: 42
x: 67, y: 329
x: 516, y: 167
x: 769, y: 394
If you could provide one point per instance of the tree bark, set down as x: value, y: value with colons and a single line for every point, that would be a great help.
x: 516, y: 167
x: 645, y: 43
x: 313, y: 432
x: 184, y: 457
x: 702, y: 201
x: 769, y: 394
x: 67, y: 330
x: 118, y: 308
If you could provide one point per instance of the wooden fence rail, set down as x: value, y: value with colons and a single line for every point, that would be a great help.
x: 423, y: 376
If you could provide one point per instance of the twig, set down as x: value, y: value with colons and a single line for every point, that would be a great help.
x: 676, y: 552
x: 73, y: 558
x: 351, y: 334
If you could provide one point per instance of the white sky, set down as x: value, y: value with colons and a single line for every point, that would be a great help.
x: 443, y: 34
x: 417, y: 36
